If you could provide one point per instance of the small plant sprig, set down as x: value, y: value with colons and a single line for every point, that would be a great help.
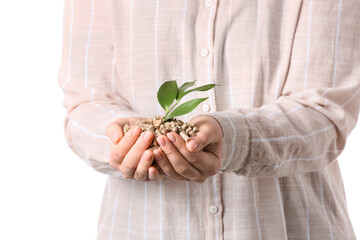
x: 169, y: 92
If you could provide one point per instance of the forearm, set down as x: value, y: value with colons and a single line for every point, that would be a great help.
x: 290, y: 136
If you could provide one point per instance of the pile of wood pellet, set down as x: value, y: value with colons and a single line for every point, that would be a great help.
x: 158, y: 127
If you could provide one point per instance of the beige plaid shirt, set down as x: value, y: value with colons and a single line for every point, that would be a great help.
x: 288, y: 98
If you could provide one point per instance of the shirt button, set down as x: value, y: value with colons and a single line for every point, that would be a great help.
x: 208, y: 3
x: 204, y: 52
x: 205, y: 107
x: 213, y: 209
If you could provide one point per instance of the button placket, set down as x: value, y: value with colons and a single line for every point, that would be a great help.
x: 211, y: 5
x: 204, y: 47
x: 205, y: 54
x: 215, y: 206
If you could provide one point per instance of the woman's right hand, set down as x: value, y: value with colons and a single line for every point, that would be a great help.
x: 129, y: 153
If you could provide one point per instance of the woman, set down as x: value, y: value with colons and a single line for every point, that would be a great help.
x: 265, y: 165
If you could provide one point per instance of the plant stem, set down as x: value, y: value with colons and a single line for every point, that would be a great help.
x: 167, y: 113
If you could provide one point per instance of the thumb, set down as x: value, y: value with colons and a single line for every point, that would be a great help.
x: 197, y: 143
x: 114, y: 132
x: 114, y: 129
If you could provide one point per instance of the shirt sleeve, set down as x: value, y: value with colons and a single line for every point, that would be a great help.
x: 306, y: 128
x: 87, y: 77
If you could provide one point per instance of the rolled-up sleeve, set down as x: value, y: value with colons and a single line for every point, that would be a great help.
x: 87, y: 77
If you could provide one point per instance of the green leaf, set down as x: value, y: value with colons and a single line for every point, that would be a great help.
x: 167, y: 94
x: 186, y: 107
x: 182, y: 89
x: 202, y: 88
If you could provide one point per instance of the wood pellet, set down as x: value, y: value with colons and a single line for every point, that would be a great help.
x: 158, y: 127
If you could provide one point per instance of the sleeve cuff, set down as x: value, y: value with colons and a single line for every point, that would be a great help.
x: 236, y: 143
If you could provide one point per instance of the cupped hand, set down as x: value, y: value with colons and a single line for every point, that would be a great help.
x: 194, y: 160
x: 129, y: 153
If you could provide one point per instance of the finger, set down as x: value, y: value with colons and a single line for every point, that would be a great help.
x: 199, y: 142
x: 179, y: 163
x: 165, y: 166
x: 199, y: 160
x: 114, y: 129
x: 119, y: 151
x: 114, y: 132
x: 154, y: 174
x: 141, y: 171
x: 132, y: 158
x: 206, y: 135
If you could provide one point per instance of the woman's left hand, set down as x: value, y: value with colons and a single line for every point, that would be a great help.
x: 194, y: 160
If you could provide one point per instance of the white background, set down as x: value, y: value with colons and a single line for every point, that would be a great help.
x: 46, y: 191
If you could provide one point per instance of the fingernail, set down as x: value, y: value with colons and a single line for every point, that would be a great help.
x: 157, y: 155
x: 161, y: 141
x: 193, y: 144
x: 171, y: 137
x: 135, y: 131
x: 115, y: 136
x: 147, y: 137
x: 152, y: 172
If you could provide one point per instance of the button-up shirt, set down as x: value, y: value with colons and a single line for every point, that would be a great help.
x: 287, y: 98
